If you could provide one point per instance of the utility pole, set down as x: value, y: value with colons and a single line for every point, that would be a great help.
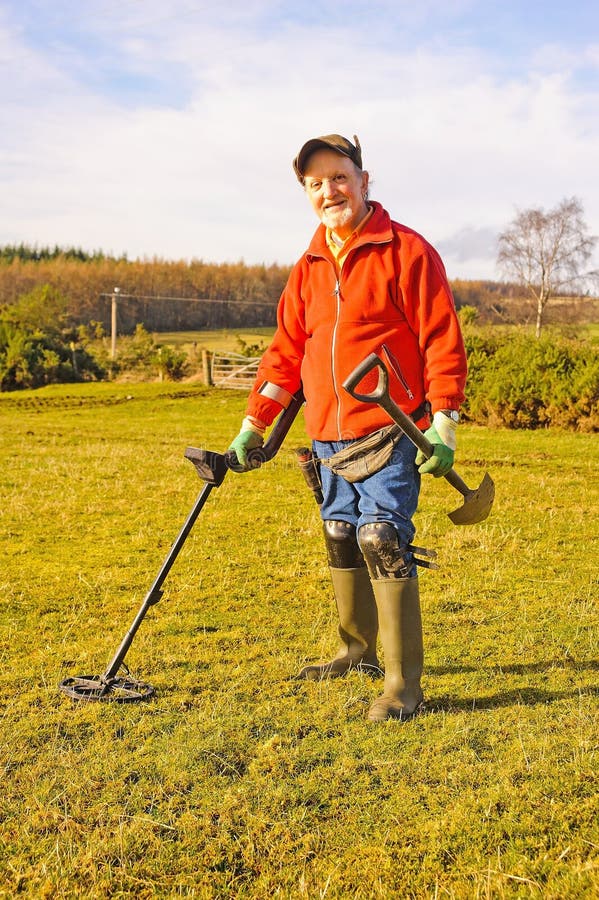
x: 115, y: 294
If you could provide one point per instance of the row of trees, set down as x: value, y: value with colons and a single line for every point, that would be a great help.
x: 544, y: 256
x: 228, y: 296
x: 155, y: 292
x: 24, y: 252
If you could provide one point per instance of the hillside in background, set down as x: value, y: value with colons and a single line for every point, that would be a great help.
x: 177, y: 296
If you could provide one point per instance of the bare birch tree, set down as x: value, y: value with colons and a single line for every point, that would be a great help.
x: 547, y: 252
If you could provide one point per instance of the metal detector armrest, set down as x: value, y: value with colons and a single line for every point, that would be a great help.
x: 212, y: 466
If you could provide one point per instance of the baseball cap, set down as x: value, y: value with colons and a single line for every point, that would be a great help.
x: 332, y: 142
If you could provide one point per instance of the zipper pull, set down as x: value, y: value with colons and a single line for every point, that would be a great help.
x: 394, y: 364
x: 336, y: 289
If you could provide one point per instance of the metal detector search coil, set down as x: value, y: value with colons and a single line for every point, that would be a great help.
x: 125, y: 689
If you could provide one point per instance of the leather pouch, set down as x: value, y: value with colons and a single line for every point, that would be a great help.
x: 366, y: 456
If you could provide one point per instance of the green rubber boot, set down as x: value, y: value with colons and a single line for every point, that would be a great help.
x: 400, y: 623
x: 358, y: 626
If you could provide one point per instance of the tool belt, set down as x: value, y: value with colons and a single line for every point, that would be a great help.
x: 365, y: 456
x: 369, y: 454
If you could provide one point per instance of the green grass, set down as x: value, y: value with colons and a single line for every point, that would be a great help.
x: 226, y: 339
x: 237, y: 781
x: 222, y: 339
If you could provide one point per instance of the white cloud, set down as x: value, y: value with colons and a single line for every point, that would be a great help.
x: 470, y: 243
x: 131, y: 159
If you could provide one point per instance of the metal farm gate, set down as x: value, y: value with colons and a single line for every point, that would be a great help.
x: 232, y: 370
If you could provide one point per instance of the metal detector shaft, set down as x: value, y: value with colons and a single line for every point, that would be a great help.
x: 222, y: 463
x: 154, y: 594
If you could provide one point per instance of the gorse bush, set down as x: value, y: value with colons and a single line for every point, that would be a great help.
x: 38, y: 345
x: 249, y: 350
x: 518, y: 381
x: 141, y: 358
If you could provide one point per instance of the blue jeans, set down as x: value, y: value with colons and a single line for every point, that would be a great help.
x: 390, y: 495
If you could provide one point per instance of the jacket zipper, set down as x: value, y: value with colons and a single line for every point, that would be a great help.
x: 337, y: 294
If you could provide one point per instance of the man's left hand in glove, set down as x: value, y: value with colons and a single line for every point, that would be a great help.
x: 442, y: 435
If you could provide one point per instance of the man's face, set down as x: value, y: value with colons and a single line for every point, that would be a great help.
x: 336, y: 189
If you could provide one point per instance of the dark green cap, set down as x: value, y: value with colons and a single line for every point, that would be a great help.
x: 330, y: 142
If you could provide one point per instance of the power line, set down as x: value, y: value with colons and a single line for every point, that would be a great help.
x: 193, y: 299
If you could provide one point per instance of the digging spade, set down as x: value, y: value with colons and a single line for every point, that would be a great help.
x: 478, y: 502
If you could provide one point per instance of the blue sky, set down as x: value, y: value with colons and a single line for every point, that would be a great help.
x: 168, y: 130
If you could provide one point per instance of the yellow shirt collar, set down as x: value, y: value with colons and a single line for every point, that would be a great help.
x: 340, y: 251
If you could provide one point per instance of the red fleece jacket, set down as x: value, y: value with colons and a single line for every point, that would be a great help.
x: 392, y: 291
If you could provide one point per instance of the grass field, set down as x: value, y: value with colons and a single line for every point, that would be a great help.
x: 223, y: 339
x: 227, y: 339
x: 237, y: 781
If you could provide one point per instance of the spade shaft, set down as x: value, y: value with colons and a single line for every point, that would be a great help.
x: 478, y: 502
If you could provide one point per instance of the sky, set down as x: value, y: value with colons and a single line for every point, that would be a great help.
x: 167, y: 130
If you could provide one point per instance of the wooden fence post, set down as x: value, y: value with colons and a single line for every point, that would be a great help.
x: 206, y: 367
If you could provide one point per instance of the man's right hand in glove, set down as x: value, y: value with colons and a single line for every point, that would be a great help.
x: 250, y: 437
x: 442, y: 436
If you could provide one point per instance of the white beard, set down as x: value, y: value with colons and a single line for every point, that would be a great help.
x: 334, y: 218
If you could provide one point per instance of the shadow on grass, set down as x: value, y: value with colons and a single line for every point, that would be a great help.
x: 521, y: 696
x: 518, y: 668
x: 517, y: 697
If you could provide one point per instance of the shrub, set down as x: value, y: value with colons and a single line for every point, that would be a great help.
x: 170, y: 363
x: 249, y: 350
x: 134, y: 353
x: 518, y: 381
x: 37, y: 347
x: 140, y: 358
x: 468, y: 315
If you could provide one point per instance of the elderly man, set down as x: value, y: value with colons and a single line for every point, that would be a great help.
x: 365, y: 284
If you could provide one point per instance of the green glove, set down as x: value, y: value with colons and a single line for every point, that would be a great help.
x: 442, y: 436
x: 249, y: 438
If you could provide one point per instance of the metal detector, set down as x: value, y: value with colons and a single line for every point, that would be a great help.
x: 212, y: 468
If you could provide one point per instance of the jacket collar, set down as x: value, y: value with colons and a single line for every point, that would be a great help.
x: 377, y: 230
